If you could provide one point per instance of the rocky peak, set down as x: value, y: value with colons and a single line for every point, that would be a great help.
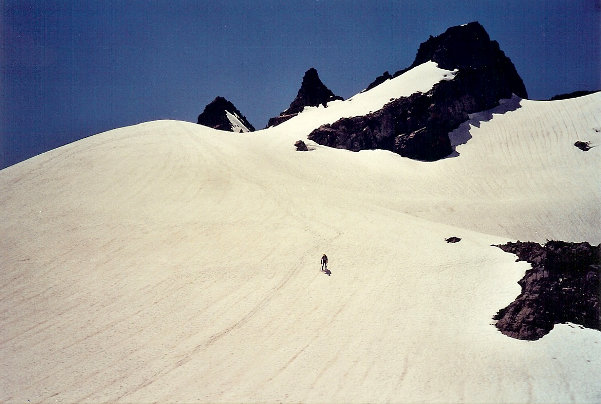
x: 418, y: 126
x: 468, y: 47
x: 223, y: 115
x: 461, y: 46
x: 311, y: 94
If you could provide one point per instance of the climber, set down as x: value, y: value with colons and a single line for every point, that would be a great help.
x: 324, y: 263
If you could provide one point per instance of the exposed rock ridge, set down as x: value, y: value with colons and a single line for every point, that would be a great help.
x: 562, y: 286
x: 311, y: 94
x: 417, y: 126
x: 215, y: 116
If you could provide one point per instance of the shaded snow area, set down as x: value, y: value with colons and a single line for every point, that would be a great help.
x: 167, y: 262
x: 237, y: 126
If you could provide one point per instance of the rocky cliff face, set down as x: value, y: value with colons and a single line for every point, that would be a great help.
x: 417, y: 126
x: 562, y: 286
x: 222, y: 114
x: 311, y: 93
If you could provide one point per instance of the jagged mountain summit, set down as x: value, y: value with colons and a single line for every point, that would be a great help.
x: 469, y: 48
x: 311, y: 94
x: 223, y: 115
x: 417, y: 126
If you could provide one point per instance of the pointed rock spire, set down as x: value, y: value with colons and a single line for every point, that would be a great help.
x: 223, y: 115
x: 311, y: 94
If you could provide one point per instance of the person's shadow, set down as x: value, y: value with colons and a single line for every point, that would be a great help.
x: 327, y: 272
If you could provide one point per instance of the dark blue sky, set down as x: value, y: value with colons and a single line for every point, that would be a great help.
x: 70, y: 69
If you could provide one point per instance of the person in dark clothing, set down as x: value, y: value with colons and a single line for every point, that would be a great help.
x: 324, y: 263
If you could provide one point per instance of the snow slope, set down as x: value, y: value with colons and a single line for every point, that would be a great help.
x: 237, y: 126
x: 163, y: 262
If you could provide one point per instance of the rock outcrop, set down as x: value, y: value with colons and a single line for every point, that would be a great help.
x: 418, y: 126
x: 562, y: 286
x: 311, y: 94
x: 301, y: 146
x: 584, y: 146
x: 223, y: 115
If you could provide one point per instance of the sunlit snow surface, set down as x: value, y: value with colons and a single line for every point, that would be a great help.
x: 163, y: 262
x: 237, y: 126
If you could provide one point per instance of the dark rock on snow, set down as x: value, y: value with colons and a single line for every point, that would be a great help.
x: 452, y: 240
x: 584, y: 146
x: 562, y: 286
x: 418, y: 126
x: 301, y: 146
x: 276, y: 120
x: 311, y: 94
x: 214, y: 116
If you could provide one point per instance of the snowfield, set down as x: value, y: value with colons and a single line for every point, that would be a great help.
x: 169, y: 262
